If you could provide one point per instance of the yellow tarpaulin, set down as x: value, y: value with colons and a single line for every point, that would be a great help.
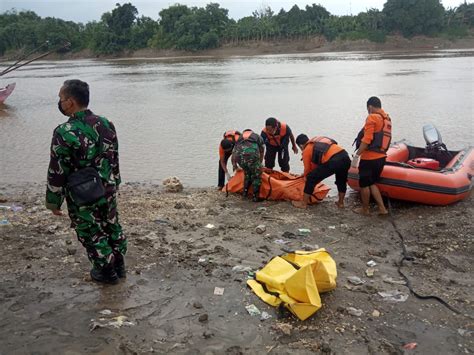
x: 296, y: 280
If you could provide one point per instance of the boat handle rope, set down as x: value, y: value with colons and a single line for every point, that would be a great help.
x: 407, y: 257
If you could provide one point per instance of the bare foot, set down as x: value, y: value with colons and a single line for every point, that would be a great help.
x: 383, y: 212
x: 299, y: 204
x: 361, y: 211
x: 339, y: 205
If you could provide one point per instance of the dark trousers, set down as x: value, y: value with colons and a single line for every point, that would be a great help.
x: 283, y: 157
x: 221, y: 178
x: 338, y: 165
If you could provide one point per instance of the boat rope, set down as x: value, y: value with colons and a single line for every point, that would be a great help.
x: 407, y: 257
x: 18, y: 65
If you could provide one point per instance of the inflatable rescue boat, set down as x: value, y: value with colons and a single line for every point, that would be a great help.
x: 431, y: 175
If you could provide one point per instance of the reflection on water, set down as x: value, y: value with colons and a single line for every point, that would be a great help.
x: 170, y: 113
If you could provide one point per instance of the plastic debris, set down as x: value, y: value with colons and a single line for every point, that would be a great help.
x: 241, y: 268
x: 281, y: 241
x: 12, y: 208
x: 394, y: 296
x: 253, y: 310
x: 355, y: 280
x: 265, y: 316
x: 115, y: 322
x: 354, y: 311
x: 260, y: 229
x: 288, y: 235
x: 4, y: 222
x: 105, y: 312
x: 390, y: 280
x: 410, y: 346
x: 371, y: 263
x: 375, y: 313
x: 202, y: 260
x: 304, y: 232
x: 218, y: 291
x: 331, y: 227
x: 308, y: 247
x: 370, y: 272
x: 210, y: 226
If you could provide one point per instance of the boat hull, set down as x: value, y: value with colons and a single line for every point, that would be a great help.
x: 6, y: 91
x: 398, y: 181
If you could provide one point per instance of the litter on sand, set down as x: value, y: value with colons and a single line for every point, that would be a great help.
x: 303, y: 232
x: 253, y: 310
x: 371, y: 263
x: 354, y: 311
x: 393, y: 296
x: 218, y: 291
x: 116, y: 322
x: 281, y: 241
x: 241, y: 268
x: 265, y: 316
x: 355, y: 280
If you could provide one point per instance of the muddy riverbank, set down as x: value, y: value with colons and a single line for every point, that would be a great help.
x: 167, y: 303
x: 317, y: 44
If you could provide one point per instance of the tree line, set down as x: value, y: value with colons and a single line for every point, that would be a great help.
x: 197, y: 28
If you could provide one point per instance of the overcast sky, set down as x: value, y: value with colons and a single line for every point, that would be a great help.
x: 89, y: 10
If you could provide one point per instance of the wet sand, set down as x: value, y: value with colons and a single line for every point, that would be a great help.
x: 49, y: 304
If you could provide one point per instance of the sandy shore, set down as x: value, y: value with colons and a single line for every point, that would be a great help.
x: 49, y: 305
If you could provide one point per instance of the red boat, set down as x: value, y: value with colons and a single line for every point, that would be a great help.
x: 431, y: 175
x: 6, y: 91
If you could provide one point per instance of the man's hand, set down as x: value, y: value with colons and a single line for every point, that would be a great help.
x: 57, y: 212
x: 355, y: 161
x: 227, y: 175
x: 295, y: 149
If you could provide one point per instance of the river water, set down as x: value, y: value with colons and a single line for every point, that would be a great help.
x: 170, y: 114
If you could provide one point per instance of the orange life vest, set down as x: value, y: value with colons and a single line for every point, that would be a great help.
x: 321, y: 146
x: 382, y: 139
x: 232, y: 136
x: 275, y: 140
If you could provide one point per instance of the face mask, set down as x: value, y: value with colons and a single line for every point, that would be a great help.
x: 61, y: 109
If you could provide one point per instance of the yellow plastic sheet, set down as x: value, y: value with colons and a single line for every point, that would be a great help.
x: 296, y: 280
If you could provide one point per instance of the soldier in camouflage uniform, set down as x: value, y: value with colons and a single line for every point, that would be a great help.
x: 248, y: 153
x: 75, y: 146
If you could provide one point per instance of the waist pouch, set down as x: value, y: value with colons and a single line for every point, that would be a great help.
x: 85, y: 186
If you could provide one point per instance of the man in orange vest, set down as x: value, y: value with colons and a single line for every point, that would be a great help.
x: 225, y: 151
x: 322, y: 157
x: 372, y: 144
x: 277, y: 136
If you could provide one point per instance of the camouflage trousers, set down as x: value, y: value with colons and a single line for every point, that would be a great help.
x: 253, y: 172
x: 98, y: 229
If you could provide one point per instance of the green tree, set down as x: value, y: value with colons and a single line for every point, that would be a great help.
x: 414, y: 17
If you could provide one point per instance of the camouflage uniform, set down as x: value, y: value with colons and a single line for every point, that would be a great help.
x: 74, y: 146
x: 247, y: 152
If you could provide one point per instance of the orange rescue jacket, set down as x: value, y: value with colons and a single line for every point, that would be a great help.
x: 275, y: 140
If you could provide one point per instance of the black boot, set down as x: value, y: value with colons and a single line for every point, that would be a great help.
x: 256, y: 198
x: 105, y: 274
x: 246, y: 189
x: 120, y: 266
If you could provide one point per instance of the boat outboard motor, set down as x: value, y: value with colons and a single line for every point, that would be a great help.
x: 434, y: 143
x: 432, y: 137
